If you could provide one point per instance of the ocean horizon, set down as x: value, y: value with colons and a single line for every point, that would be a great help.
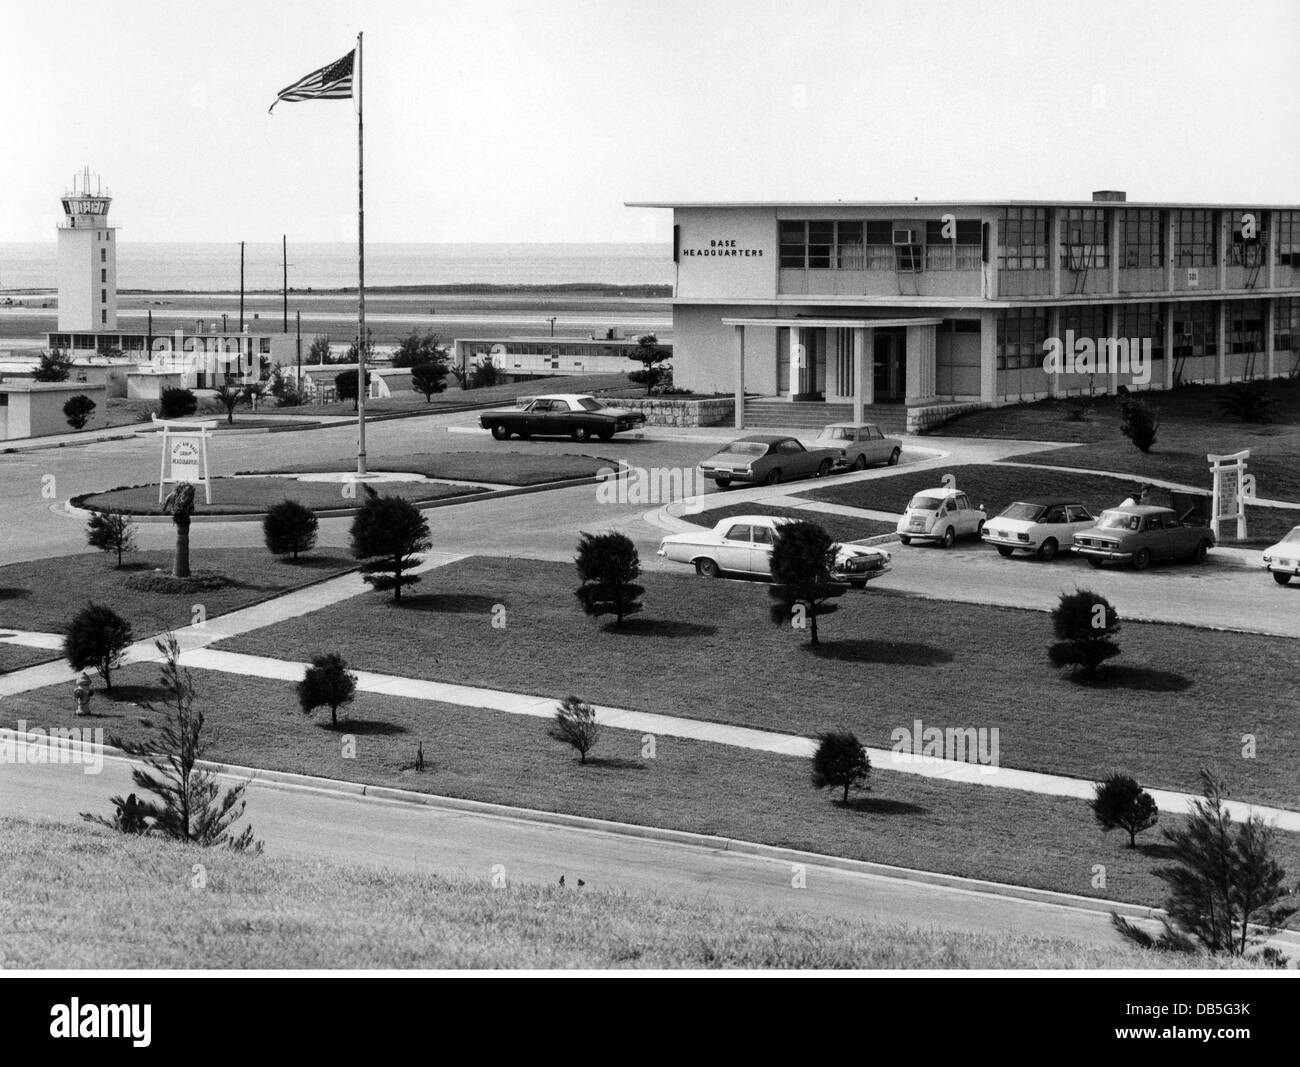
x: 210, y: 266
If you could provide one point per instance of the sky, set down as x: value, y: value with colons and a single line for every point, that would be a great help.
x: 506, y: 121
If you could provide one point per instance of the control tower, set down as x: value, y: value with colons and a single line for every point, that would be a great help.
x: 87, y: 260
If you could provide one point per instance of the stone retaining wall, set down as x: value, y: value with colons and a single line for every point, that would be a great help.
x: 921, y: 419
x: 680, y: 411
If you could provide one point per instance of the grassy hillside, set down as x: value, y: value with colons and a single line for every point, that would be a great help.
x: 77, y: 897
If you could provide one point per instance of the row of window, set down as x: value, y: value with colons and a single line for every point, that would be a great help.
x: 1022, y: 331
x: 857, y: 245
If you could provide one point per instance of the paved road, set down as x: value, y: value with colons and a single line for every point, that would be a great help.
x: 399, y: 836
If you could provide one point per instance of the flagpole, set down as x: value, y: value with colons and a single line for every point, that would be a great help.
x: 361, y: 280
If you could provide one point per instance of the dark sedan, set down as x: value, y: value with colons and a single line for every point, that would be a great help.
x: 561, y: 415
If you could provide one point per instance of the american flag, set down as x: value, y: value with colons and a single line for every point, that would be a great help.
x: 332, y: 82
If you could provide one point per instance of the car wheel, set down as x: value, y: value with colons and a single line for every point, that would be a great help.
x: 501, y: 431
x: 858, y: 585
x: 860, y: 464
x: 979, y: 529
x: 706, y: 568
x: 824, y: 468
x: 1094, y: 561
x: 1004, y: 551
x: 905, y: 540
x: 1281, y: 579
x: 1048, y: 549
x: 524, y: 436
x: 949, y: 536
x: 605, y: 435
x: 722, y: 483
x: 773, y: 477
x: 581, y: 433
x: 893, y: 457
x: 1201, y: 550
x: 1142, y: 559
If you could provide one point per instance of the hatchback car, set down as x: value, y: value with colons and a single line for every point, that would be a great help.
x: 941, y: 515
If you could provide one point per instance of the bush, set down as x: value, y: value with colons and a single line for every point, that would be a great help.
x: 289, y: 528
x: 285, y: 390
x: 1248, y: 402
x: 78, y: 409
x: 608, y: 565
x: 386, y: 535
x: 53, y: 367
x: 1085, y: 624
x: 840, y: 761
x: 177, y: 403
x: 111, y: 531
x: 1121, y: 804
x: 429, y: 378
x: 327, y: 684
x: 97, y: 637
x: 345, y: 383
x: 649, y: 354
x: 575, y: 724
x: 416, y: 349
x: 1138, y: 422
x: 485, y: 373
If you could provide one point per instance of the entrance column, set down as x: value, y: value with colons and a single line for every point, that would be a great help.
x: 919, y: 356
x: 738, y: 347
x: 798, y: 358
x: 863, y: 372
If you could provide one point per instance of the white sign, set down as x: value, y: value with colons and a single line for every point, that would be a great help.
x: 1228, y: 499
x: 185, y: 455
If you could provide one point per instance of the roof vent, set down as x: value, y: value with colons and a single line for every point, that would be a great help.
x: 1110, y: 194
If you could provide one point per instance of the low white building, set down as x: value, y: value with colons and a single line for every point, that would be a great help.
x: 35, y: 409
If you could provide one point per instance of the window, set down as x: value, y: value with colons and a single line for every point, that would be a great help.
x: 1141, y: 238
x: 821, y: 245
x: 264, y: 345
x: 1090, y: 320
x: 103, y: 274
x: 103, y: 296
x: 1243, y: 251
x: 1022, y: 238
x: 1142, y: 321
x: 1195, y: 244
x: 1286, y: 324
x: 1084, y: 244
x: 1079, y: 514
x: 1196, y: 330
x: 791, y: 237
x: 960, y: 252
x: 849, y: 251
x: 1021, y: 333
x: 738, y: 533
x: 103, y: 318
x: 103, y: 255
x: 1287, y: 224
x: 1243, y: 326
x: 763, y: 536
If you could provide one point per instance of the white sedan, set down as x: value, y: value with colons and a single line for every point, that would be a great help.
x: 742, y: 544
x: 1042, y: 527
x: 1283, y: 558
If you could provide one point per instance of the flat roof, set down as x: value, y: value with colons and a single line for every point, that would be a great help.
x: 919, y: 205
x: 833, y: 322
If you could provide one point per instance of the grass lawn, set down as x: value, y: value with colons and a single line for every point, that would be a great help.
x: 841, y: 527
x: 243, y: 496
x: 16, y: 657
x: 79, y: 897
x: 968, y: 830
x: 1190, y: 427
x: 498, y: 467
x: 44, y: 594
x: 1166, y: 708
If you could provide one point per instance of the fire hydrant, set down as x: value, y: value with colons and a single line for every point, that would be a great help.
x: 82, y: 693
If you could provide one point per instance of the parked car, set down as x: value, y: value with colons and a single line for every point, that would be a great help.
x: 742, y: 544
x: 860, y: 444
x: 561, y: 415
x: 768, y: 458
x: 941, y: 515
x: 1140, y: 534
x: 1283, y: 558
x: 1043, y: 526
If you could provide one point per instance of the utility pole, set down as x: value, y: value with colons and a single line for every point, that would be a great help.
x: 298, y: 317
x: 241, y: 286
x: 284, y: 239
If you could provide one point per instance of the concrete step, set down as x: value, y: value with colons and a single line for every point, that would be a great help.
x: 760, y: 413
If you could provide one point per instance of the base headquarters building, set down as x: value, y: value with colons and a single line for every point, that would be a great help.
x: 906, y: 313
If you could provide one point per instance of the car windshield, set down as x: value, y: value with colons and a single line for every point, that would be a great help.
x: 745, y: 448
x: 589, y: 403
x: 923, y: 502
x: 1119, y: 520
x: 1025, y: 512
x: 1293, y: 537
x: 836, y: 433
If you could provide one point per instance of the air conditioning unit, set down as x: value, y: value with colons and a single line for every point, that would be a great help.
x: 1186, y: 325
x: 905, y: 237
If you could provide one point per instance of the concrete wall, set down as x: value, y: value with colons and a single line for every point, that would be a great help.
x: 35, y: 409
x: 681, y: 411
x: 87, y: 257
x: 704, y: 350
x: 147, y: 386
x: 726, y: 252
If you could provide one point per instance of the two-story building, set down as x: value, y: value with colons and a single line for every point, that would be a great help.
x: 908, y: 312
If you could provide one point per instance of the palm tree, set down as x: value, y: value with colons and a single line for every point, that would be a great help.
x: 180, y: 503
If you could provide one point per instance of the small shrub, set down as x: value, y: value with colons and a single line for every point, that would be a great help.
x: 1121, y: 804
x: 54, y: 366
x: 485, y: 373
x: 111, y: 531
x: 608, y: 565
x: 840, y: 761
x: 327, y: 684
x: 1138, y: 421
x: 386, y: 535
x: 97, y: 637
x: 429, y: 378
x: 177, y: 403
x: 289, y: 528
x: 77, y: 410
x: 163, y: 582
x: 1085, y: 624
x: 1248, y: 402
x: 575, y: 724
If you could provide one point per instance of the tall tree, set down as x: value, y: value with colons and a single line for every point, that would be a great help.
x: 608, y: 565
x: 319, y: 351
x: 387, y: 533
x: 429, y: 378
x: 180, y: 505
x: 802, y: 588
x: 345, y: 385
x: 416, y: 348
x: 191, y: 806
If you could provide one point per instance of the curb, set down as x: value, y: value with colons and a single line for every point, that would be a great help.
x: 337, y: 787
x: 339, y: 513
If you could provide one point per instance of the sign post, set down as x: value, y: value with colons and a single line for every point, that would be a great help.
x: 1228, y: 498
x: 185, y: 455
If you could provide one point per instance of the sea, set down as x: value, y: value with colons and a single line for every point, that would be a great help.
x: 215, y: 267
